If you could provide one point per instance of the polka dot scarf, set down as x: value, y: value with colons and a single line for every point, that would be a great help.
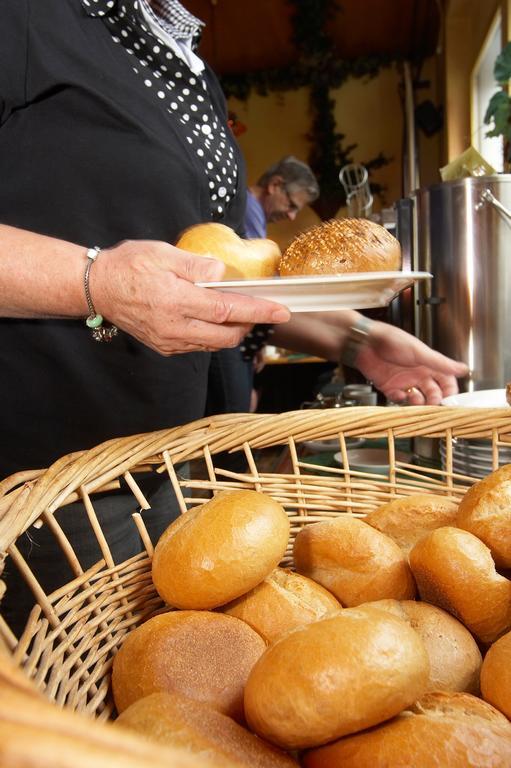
x: 181, y: 92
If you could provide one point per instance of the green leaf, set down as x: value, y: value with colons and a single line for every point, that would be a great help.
x: 499, y: 105
x: 502, y: 68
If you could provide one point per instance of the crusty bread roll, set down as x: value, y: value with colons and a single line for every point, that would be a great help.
x: 341, y: 245
x: 407, y: 519
x: 219, y: 550
x: 283, y: 601
x: 200, y: 654
x: 454, y: 657
x: 496, y: 675
x: 442, y: 730
x: 454, y: 570
x: 176, y: 720
x: 352, y: 560
x: 255, y: 258
x: 485, y: 511
x: 335, y: 676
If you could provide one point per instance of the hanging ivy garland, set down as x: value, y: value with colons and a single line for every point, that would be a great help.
x: 319, y: 68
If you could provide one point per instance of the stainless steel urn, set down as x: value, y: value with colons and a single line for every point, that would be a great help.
x: 460, y: 231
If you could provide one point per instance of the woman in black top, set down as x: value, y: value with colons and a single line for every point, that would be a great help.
x: 113, y: 134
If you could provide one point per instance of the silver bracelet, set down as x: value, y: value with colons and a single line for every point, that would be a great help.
x: 94, y: 321
x: 357, y: 337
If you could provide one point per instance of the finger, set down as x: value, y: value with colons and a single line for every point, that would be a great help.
x: 430, y: 393
x: 210, y: 336
x: 441, y: 363
x: 219, y: 307
x: 196, y: 269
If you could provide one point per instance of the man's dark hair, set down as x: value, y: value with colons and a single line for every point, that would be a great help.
x: 295, y: 174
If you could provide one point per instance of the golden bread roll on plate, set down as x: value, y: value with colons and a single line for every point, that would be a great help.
x: 335, y: 676
x: 485, y: 511
x: 454, y: 656
x: 352, y: 560
x: 442, y: 730
x: 339, y: 246
x: 455, y: 570
x: 283, y: 601
x: 219, y: 550
x: 178, y: 721
x: 255, y: 258
x: 407, y: 519
x: 496, y: 675
x: 200, y: 654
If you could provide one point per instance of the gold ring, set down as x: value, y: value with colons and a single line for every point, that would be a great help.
x: 411, y: 389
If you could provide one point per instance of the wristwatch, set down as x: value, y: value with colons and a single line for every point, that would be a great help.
x: 357, y: 337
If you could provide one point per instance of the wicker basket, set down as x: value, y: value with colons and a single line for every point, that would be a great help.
x: 68, y: 644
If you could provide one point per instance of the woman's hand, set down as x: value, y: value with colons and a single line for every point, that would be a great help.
x: 147, y: 289
x: 404, y: 368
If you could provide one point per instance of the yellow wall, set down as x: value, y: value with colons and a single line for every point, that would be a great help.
x: 368, y: 112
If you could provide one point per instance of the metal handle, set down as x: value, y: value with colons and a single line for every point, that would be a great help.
x: 489, y: 197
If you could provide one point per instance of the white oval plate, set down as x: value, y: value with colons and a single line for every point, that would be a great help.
x: 322, y: 446
x: 371, y: 459
x: 323, y: 293
x: 484, y: 398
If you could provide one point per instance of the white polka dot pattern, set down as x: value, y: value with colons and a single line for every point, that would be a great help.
x: 182, y: 94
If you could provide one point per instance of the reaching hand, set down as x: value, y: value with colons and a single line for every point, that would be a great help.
x: 404, y: 368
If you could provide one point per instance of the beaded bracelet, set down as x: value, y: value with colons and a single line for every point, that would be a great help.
x: 94, y: 320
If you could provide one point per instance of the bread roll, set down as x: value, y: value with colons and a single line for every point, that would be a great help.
x: 255, y: 258
x: 336, y: 676
x: 178, y: 721
x: 406, y: 520
x: 454, y: 570
x: 454, y: 657
x: 283, y: 601
x: 485, y: 511
x: 341, y: 245
x: 443, y: 730
x: 219, y: 550
x: 496, y: 675
x: 352, y: 560
x: 203, y: 655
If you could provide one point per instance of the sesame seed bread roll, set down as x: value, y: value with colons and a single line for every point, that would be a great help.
x: 175, y: 720
x: 219, y: 550
x: 354, y: 561
x: 442, y: 730
x: 200, y: 654
x: 339, y: 246
x: 283, y: 601
x: 334, y: 677
x: 454, y: 656
x: 406, y: 520
x: 455, y: 571
x: 485, y: 511
x: 496, y: 675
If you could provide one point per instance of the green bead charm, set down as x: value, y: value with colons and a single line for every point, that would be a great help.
x: 94, y: 321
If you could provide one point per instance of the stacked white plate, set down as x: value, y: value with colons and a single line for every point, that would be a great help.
x: 475, y: 457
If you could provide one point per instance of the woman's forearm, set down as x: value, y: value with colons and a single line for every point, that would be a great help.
x: 40, y: 276
x: 320, y: 334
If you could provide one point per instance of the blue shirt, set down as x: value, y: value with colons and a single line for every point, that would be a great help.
x: 255, y: 220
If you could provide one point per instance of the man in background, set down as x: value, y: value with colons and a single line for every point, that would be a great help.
x: 279, y: 194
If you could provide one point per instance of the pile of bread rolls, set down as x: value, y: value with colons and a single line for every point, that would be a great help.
x: 388, y: 644
x: 333, y: 247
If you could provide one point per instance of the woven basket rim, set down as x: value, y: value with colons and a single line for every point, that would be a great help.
x: 25, y: 495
